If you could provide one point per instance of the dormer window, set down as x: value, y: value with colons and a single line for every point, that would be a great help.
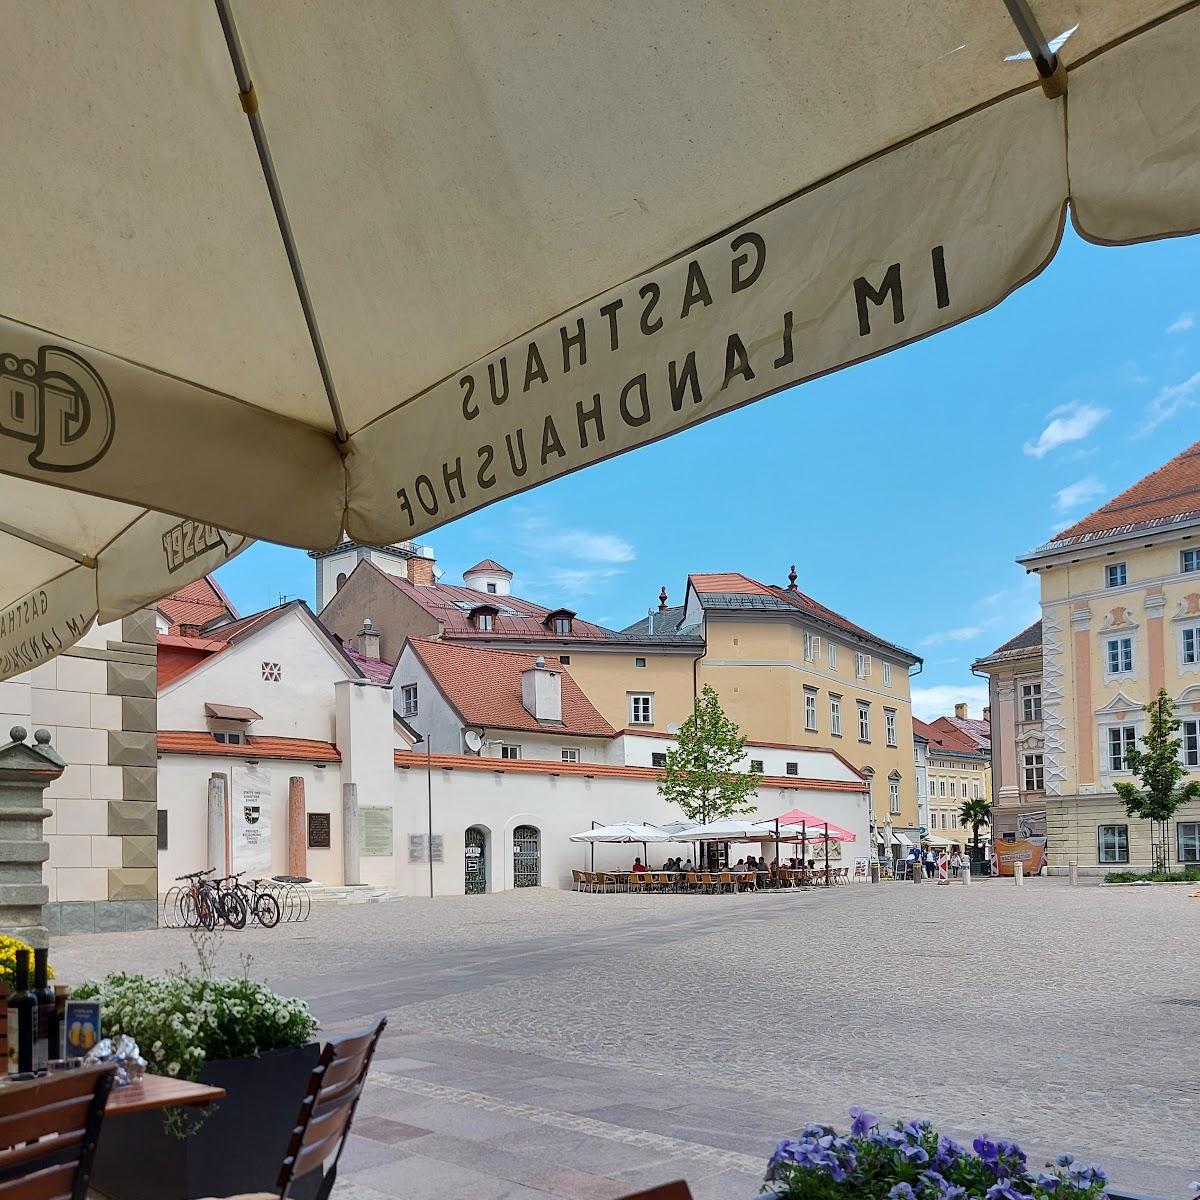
x: 559, y: 621
x: 483, y: 617
x: 229, y: 724
x: 491, y: 587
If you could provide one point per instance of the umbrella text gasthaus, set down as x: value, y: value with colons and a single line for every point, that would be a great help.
x: 602, y: 413
x: 58, y: 404
x: 27, y: 640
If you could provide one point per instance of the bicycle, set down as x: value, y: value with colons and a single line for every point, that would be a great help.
x: 255, y: 899
x: 195, y: 901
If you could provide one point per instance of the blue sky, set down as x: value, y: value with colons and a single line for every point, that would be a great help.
x: 902, y: 488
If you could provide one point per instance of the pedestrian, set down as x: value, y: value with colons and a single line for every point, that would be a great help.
x: 930, y: 862
x: 956, y: 862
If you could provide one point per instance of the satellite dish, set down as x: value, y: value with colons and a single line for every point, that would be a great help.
x: 672, y: 729
x: 473, y: 740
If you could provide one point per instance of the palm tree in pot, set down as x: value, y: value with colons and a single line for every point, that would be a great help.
x: 975, y: 812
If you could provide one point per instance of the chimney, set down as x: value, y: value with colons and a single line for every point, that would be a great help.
x: 960, y: 711
x: 987, y: 714
x: 662, y: 600
x: 420, y: 570
x: 368, y: 639
x: 541, y: 692
x: 189, y: 630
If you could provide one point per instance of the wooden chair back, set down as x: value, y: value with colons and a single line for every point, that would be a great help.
x: 678, y: 1190
x: 48, y: 1133
x: 334, y: 1089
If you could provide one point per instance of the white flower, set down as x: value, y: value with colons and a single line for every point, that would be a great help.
x: 172, y: 1068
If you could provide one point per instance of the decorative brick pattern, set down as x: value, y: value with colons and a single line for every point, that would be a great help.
x: 139, y: 627
x: 127, y: 748
x: 139, y: 852
x: 133, y: 883
x: 129, y: 679
x: 139, y: 783
x: 139, y: 713
x: 132, y: 818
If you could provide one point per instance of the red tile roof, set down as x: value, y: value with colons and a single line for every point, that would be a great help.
x: 491, y: 566
x: 979, y: 732
x: 179, y: 655
x: 943, y: 735
x: 484, y: 687
x: 515, y: 620
x: 287, y: 748
x: 197, y: 603
x: 1171, y: 491
x: 407, y: 759
x: 377, y: 670
x: 728, y: 583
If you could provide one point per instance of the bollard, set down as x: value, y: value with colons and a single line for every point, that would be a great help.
x: 1019, y: 874
x: 918, y: 869
x: 965, y: 872
x: 1073, y: 872
x: 874, y: 870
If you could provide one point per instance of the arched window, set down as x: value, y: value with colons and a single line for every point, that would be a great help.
x: 340, y: 580
x: 527, y: 865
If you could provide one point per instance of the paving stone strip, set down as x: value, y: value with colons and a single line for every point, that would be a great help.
x: 572, y: 1122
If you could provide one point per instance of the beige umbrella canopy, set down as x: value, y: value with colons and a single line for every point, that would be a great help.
x: 280, y: 270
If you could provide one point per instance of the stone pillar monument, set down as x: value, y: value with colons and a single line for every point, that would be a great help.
x: 297, y: 831
x: 351, y: 861
x: 25, y: 773
x: 218, y: 824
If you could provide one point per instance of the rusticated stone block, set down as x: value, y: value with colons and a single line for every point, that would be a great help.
x: 132, y: 818
x: 139, y: 713
x: 127, y: 748
x: 139, y: 627
x: 130, y: 679
x: 139, y: 783
x: 132, y: 883
x: 139, y: 852
x: 140, y: 914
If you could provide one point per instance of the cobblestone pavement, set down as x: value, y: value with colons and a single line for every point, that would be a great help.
x: 585, y: 1046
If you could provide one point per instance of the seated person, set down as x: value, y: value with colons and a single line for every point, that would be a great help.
x: 638, y: 867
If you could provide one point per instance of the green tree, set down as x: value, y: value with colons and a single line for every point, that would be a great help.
x: 975, y: 812
x: 701, y: 774
x: 1165, y: 787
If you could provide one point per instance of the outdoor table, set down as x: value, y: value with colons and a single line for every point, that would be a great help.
x: 160, y: 1091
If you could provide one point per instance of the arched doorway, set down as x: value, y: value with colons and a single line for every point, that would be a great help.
x: 527, y: 857
x: 475, y: 861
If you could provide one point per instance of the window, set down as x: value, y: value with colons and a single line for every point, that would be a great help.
x: 1190, y: 731
x: 641, y: 708
x: 954, y: 820
x: 894, y: 797
x: 975, y: 791
x: 483, y: 622
x: 1187, y: 836
x: 1035, y: 773
x: 862, y: 665
x: 562, y: 624
x: 1191, y: 644
x: 864, y: 721
x: 835, y: 715
x: 639, y: 662
x: 1120, y: 655
x: 1189, y: 561
x: 408, y: 699
x: 1115, y: 575
x: 1113, y: 843
x: 162, y: 831
x: 570, y: 754
x: 889, y: 725
x: 1031, y: 701
x: 565, y: 659
x: 887, y: 674
x: 810, y: 709
x: 229, y: 737
x: 793, y: 768
x: 491, y: 587
x: 941, y: 787
x: 756, y: 766
x: 812, y: 647
x: 831, y: 652
x: 339, y: 581
x: 658, y: 759
x: 1121, y: 739
x: 272, y: 673
x: 507, y: 751
x: 943, y: 818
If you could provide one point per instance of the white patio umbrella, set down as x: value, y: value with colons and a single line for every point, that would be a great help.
x: 623, y: 831
x: 281, y: 270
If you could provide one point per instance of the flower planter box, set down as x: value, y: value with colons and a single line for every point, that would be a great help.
x: 237, y: 1148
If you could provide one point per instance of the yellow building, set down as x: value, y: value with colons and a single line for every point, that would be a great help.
x: 958, y: 768
x: 1120, y: 594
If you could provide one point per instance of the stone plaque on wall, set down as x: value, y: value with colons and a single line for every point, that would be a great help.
x: 375, y: 831
x: 435, y: 847
x: 319, y: 832
x: 416, y: 847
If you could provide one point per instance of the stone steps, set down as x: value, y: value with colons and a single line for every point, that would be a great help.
x: 351, y: 895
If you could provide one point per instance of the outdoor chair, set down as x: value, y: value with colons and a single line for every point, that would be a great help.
x: 693, y: 881
x: 48, y: 1133
x: 637, y: 882
x: 725, y: 881
x: 326, y: 1113
x: 605, y: 882
x: 577, y: 881
x: 708, y: 881
x: 678, y: 1190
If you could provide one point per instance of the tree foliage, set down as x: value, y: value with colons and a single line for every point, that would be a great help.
x: 1165, y: 787
x: 702, y: 772
x: 975, y: 812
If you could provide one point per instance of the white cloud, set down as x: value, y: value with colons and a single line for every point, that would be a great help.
x: 1067, y: 423
x: 1169, y: 401
x: 539, y: 535
x: 1182, y: 323
x: 1075, y: 494
x: 964, y: 633
x: 569, y: 582
x: 939, y: 699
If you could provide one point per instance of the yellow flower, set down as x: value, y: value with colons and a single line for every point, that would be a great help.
x: 8, y: 958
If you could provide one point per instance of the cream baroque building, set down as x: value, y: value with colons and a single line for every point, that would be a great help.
x: 1120, y: 597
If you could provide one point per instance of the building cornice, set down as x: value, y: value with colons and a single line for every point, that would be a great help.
x: 1105, y: 542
